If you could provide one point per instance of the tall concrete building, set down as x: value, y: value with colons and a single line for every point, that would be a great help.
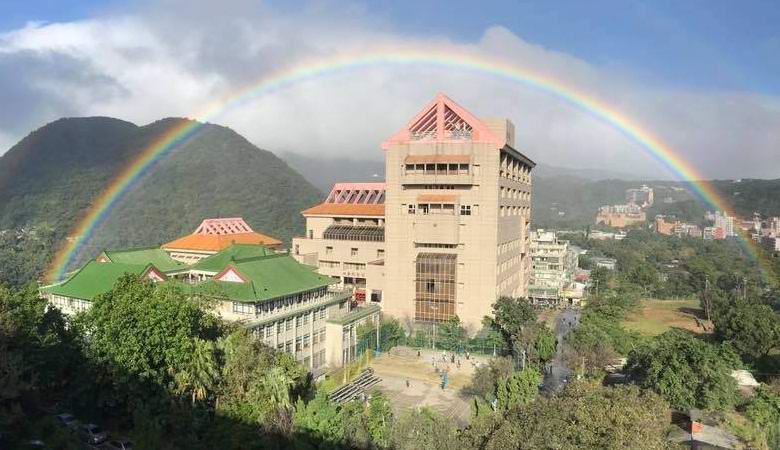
x: 457, y: 215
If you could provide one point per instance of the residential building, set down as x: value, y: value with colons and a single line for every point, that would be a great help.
x: 620, y: 216
x: 213, y: 236
x: 283, y: 302
x: 726, y: 223
x: 457, y: 212
x: 606, y: 263
x: 345, y: 237
x: 642, y: 197
x: 552, y: 266
x: 674, y: 227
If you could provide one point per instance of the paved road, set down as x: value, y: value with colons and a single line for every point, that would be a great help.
x: 557, y: 371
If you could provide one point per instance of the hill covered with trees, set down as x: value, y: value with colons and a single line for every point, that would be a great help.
x: 54, y: 175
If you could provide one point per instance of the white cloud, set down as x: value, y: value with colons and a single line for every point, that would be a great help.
x: 171, y: 61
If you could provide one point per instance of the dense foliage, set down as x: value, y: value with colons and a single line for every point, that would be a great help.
x: 583, y: 415
x: 686, y: 370
x: 56, y: 173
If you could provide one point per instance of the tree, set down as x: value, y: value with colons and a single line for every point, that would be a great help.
x: 515, y: 320
x: 685, y: 370
x: 517, y: 389
x: 200, y: 374
x: 545, y: 344
x: 144, y: 331
x: 764, y: 411
x: 752, y: 329
x: 583, y: 415
x: 423, y: 430
x: 486, y: 377
x: 450, y: 334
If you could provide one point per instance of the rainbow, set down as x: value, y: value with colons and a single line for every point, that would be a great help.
x: 132, y: 174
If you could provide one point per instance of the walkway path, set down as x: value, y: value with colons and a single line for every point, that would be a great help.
x: 558, y: 373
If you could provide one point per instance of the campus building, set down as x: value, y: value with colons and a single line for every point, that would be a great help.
x: 345, y: 238
x: 642, y: 197
x: 286, y: 304
x: 448, y: 231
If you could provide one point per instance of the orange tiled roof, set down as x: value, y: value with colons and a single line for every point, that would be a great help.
x: 437, y: 198
x: 345, y: 209
x: 218, y: 242
x: 440, y: 158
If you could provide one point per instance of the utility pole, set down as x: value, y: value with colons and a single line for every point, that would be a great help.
x: 707, y: 297
x: 377, y: 336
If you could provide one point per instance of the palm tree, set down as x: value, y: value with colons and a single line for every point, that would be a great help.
x: 277, y: 385
x: 201, y: 374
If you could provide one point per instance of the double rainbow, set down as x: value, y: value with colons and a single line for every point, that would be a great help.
x: 132, y: 174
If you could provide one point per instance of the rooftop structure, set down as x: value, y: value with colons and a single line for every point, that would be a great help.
x: 214, y: 235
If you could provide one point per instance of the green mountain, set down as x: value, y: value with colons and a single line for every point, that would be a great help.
x: 567, y: 197
x: 54, y: 175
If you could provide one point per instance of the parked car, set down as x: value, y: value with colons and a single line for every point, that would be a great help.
x: 92, y: 434
x: 119, y: 444
x: 36, y: 443
x: 68, y: 421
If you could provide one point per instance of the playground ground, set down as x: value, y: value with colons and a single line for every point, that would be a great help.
x: 424, y: 376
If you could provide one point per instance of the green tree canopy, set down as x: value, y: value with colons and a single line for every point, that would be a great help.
x: 686, y: 370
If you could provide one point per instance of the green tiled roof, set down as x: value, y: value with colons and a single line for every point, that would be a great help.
x: 356, y: 314
x: 217, y: 262
x: 93, y: 279
x: 266, y: 277
x: 157, y: 257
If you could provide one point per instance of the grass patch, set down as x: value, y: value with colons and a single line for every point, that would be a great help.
x: 655, y: 317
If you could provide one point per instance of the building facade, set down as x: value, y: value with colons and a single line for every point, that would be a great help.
x: 457, y: 215
x: 620, y: 216
x: 282, y: 302
x: 552, y: 266
x: 345, y: 238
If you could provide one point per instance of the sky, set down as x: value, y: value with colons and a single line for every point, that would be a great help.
x: 701, y: 76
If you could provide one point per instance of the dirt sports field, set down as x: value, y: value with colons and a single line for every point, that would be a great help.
x: 657, y: 316
x: 423, y: 373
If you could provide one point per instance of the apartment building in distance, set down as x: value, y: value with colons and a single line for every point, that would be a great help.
x: 451, y: 228
x: 620, y: 216
x: 669, y: 226
x: 642, y: 197
x: 553, y: 266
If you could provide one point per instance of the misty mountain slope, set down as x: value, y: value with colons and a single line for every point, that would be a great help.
x: 54, y: 175
x: 323, y: 172
x: 567, y: 197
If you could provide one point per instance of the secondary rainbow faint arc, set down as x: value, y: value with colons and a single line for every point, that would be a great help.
x: 311, y: 69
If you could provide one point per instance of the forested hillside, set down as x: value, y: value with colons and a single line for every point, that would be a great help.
x: 53, y: 176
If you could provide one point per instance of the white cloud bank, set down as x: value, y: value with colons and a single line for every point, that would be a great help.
x: 150, y: 63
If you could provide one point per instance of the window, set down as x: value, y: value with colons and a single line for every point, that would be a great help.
x: 289, y: 324
x: 305, y: 341
x: 380, y: 253
x: 311, y: 234
x: 465, y: 210
x: 298, y: 344
x: 288, y: 346
x: 279, y: 327
x: 243, y: 308
x: 411, y: 209
x: 297, y: 249
x: 328, y: 250
x: 353, y: 251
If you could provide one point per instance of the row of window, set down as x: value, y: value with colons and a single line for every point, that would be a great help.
x: 354, y: 251
x: 516, y: 194
x: 509, y: 246
x: 437, y: 169
x: 441, y: 208
x: 448, y: 187
x: 433, y: 245
x: 73, y: 304
x: 514, y: 169
x: 507, y: 211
